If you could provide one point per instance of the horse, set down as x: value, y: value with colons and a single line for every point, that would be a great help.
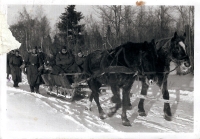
x: 136, y: 58
x: 170, y: 49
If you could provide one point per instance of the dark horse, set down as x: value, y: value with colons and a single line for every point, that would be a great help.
x: 171, y: 49
x: 136, y: 58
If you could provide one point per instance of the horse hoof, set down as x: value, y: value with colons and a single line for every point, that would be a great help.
x: 88, y: 109
x: 103, y: 116
x: 167, y: 117
x: 113, y: 99
x: 129, y: 107
x: 113, y: 110
x: 142, y: 113
x: 110, y: 114
x: 126, y: 123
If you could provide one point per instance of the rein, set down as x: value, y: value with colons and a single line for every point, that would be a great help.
x: 177, y: 61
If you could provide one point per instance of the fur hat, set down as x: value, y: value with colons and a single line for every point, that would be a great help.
x: 35, y: 47
x: 16, y: 50
x: 64, y: 47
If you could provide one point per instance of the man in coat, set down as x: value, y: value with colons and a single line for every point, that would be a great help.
x: 32, y: 64
x: 65, y: 62
x: 9, y: 55
x: 15, y: 62
x: 41, y: 55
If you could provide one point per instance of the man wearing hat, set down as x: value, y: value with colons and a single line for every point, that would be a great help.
x: 41, y: 54
x: 65, y: 62
x: 32, y: 64
x: 15, y: 62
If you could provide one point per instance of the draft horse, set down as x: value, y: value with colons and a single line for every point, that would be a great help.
x: 170, y: 49
x: 139, y: 58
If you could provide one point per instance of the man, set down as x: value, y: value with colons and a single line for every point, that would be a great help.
x: 41, y: 55
x: 32, y: 64
x: 15, y: 63
x: 9, y: 55
x: 65, y: 62
x: 80, y: 60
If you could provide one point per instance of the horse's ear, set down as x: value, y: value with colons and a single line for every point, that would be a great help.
x: 153, y: 42
x: 184, y: 34
x: 145, y: 43
x: 175, y: 35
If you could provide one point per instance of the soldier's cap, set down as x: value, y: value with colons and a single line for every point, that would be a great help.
x: 35, y: 47
x: 16, y: 51
x: 79, y: 51
x: 63, y: 47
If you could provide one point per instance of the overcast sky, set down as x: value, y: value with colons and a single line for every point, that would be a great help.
x: 52, y: 11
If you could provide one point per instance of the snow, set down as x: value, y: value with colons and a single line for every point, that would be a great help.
x: 30, y: 112
x: 7, y: 41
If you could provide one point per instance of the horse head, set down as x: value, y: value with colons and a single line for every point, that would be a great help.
x: 148, y: 59
x: 179, y: 53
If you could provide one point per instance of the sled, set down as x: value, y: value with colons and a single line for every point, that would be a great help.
x: 63, y: 85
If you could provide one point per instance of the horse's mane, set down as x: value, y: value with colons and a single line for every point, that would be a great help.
x: 162, y: 44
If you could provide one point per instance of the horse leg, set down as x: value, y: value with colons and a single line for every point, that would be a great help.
x: 167, y: 109
x: 141, y: 110
x: 95, y: 93
x: 125, y: 104
x: 89, y: 103
x: 115, y: 99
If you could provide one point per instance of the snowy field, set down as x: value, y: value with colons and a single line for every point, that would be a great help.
x: 45, y: 113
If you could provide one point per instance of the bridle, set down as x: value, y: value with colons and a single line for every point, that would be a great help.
x: 177, y: 61
x: 182, y: 59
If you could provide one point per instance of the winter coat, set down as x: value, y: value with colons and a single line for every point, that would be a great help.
x: 65, y: 63
x: 42, y: 57
x: 80, y: 62
x: 15, y: 62
x: 33, y: 62
x: 9, y: 55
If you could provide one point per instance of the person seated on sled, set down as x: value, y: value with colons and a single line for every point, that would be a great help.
x: 65, y: 62
x: 49, y: 63
x: 15, y: 62
x: 80, y: 60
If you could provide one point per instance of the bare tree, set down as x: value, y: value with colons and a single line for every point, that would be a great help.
x: 30, y: 29
x: 112, y: 16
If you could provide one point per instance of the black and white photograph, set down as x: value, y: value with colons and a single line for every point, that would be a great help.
x: 99, y: 69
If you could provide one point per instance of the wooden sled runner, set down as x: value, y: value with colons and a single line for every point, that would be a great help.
x: 62, y: 85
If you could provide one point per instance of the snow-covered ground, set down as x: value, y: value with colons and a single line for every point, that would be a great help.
x: 45, y: 113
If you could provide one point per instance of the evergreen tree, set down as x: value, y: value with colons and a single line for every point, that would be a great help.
x: 70, y: 29
x: 56, y: 45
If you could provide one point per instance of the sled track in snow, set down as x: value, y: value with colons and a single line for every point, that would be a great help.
x: 182, y: 111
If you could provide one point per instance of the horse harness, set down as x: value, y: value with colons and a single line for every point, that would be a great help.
x: 142, y: 72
